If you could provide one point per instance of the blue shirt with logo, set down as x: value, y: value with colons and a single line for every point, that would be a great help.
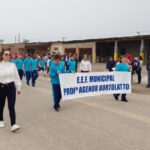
x: 42, y: 63
x: 19, y: 63
x: 34, y: 64
x: 72, y: 65
x: 122, y: 67
x: 27, y: 64
x: 51, y: 63
x: 53, y: 73
x: 63, y: 64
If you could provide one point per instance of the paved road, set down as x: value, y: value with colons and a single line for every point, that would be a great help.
x: 97, y: 123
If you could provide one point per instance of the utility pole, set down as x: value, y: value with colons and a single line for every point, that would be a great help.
x: 138, y: 33
x: 19, y: 38
x: 15, y: 39
x: 63, y: 39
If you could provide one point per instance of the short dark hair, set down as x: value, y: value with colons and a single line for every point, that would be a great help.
x: 56, y: 57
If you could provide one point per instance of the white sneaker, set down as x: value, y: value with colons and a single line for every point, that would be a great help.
x: 15, y: 128
x: 2, y: 124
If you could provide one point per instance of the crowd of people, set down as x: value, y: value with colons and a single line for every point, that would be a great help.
x: 135, y: 65
x: 14, y: 68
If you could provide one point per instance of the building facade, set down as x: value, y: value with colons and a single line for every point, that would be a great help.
x: 99, y: 50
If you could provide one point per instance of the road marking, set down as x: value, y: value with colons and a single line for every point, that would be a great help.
x: 109, y: 109
x: 119, y: 112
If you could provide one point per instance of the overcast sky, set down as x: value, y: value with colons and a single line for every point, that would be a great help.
x: 47, y: 20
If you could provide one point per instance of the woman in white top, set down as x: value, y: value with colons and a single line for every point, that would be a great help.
x: 9, y: 83
x: 85, y: 65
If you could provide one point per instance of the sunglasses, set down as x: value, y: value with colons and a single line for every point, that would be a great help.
x: 7, y: 54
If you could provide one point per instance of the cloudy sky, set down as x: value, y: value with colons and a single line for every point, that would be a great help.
x: 47, y: 20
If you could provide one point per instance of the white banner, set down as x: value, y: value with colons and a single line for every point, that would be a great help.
x: 97, y: 83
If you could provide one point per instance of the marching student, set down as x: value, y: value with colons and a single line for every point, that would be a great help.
x: 71, y: 65
x: 27, y: 68
x: 63, y: 62
x: 50, y: 63
x: 47, y: 63
x: 34, y: 70
x: 85, y: 65
x: 55, y: 70
x: 123, y: 67
x: 13, y: 59
x: 19, y: 64
x: 9, y: 84
x: 42, y: 66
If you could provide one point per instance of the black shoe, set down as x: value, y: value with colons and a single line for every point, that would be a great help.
x: 56, y: 109
x: 147, y: 86
x: 116, y: 98
x: 124, y: 100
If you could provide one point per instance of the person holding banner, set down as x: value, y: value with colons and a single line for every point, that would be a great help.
x: 123, y: 67
x: 55, y: 70
x: 85, y: 65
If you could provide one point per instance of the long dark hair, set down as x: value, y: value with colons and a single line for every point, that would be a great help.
x: 2, y: 53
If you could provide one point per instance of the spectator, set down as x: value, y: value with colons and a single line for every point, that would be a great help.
x: 148, y: 72
x: 110, y: 64
x: 85, y: 65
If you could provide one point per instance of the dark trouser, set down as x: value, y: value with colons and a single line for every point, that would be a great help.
x: 34, y: 76
x: 20, y: 73
x: 8, y: 91
x: 148, y: 74
x: 139, y: 75
x: 67, y: 67
x: 76, y: 67
x: 56, y: 94
x: 28, y: 76
x: 84, y: 71
x: 122, y: 97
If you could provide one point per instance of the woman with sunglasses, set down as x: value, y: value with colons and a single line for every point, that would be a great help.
x: 9, y: 83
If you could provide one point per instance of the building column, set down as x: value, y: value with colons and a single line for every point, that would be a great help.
x: 77, y: 52
x: 116, y: 51
x: 94, y: 53
x: 142, y: 48
x: 0, y: 47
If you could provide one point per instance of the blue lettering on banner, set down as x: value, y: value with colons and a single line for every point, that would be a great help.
x: 88, y: 89
x: 102, y: 78
x: 82, y: 79
x: 95, y: 88
x: 70, y: 91
x: 114, y: 87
